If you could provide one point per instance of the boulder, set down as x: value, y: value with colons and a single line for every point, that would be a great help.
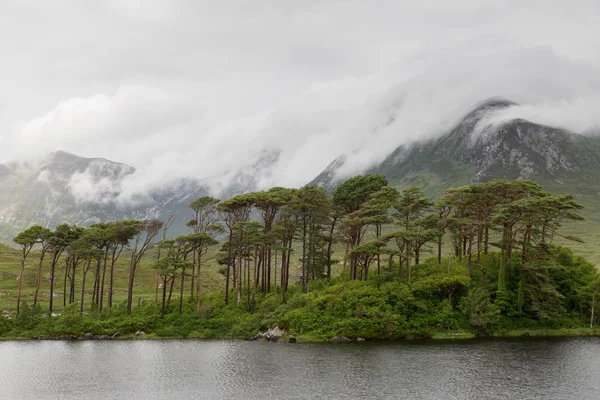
x: 140, y: 333
x: 341, y: 339
x: 271, y: 335
x: 88, y: 336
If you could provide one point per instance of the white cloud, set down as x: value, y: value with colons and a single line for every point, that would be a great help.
x: 180, y: 90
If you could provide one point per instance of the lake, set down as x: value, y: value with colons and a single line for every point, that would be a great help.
x: 523, y: 368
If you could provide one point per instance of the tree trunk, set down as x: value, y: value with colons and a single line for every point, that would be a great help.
x: 171, y: 290
x: 239, y: 277
x: 102, y: 283
x: 439, y: 249
x: 72, y: 289
x: 156, y: 288
x: 304, y: 266
x: 486, y: 239
x: 95, y: 290
x: 254, y: 284
x: 198, y: 281
x: 130, y: 288
x: 469, y: 254
x: 65, y: 283
x: 417, y: 255
x: 269, y: 270
x: 250, y: 282
x: 181, y: 290
x: 479, y: 240
x: 329, y: 246
x: 39, y: 278
x: 20, y: 281
x: 228, y: 268
x: 85, y: 271
x: 52, y: 270
x: 346, y: 256
x: 164, y: 297
x: 283, y: 276
x: 111, y: 281
x: 192, y: 284
x: 287, y: 269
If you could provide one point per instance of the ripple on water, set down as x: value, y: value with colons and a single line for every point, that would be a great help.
x: 482, y: 369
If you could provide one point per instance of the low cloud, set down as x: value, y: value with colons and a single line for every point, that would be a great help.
x: 364, y: 119
x: 278, y: 95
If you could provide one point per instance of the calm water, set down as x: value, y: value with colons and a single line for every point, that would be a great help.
x: 485, y: 369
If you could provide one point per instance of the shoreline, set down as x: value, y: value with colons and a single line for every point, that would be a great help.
x: 436, y: 336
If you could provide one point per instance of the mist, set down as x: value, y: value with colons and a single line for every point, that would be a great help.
x: 280, y: 93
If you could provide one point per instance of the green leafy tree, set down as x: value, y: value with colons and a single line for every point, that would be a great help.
x: 205, y: 219
x: 237, y: 209
x: 349, y: 196
x: 415, y: 229
x: 312, y: 208
x: 26, y: 240
x: 269, y: 203
x: 145, y: 234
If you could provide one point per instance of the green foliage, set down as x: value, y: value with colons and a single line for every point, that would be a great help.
x: 28, y: 317
x: 478, y: 307
x: 353, y: 192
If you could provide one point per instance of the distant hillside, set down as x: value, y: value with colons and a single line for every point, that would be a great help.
x: 42, y: 193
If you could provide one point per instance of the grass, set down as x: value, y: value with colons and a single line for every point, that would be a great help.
x: 144, y: 291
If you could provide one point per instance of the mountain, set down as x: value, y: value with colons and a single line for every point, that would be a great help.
x: 515, y: 149
x: 66, y: 188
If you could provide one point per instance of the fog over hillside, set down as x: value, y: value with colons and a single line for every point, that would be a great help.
x: 250, y: 97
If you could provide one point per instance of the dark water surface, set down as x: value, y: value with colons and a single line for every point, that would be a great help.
x: 479, y: 369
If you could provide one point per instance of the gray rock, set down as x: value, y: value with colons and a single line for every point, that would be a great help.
x: 88, y: 336
x: 140, y: 333
x: 116, y: 335
x: 271, y: 335
x: 341, y: 339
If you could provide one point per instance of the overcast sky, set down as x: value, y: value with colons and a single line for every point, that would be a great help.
x: 191, y: 88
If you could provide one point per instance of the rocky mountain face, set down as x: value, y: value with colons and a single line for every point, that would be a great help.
x: 473, y: 152
x: 65, y: 188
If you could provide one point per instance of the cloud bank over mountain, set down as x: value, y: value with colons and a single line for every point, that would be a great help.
x: 274, y: 93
